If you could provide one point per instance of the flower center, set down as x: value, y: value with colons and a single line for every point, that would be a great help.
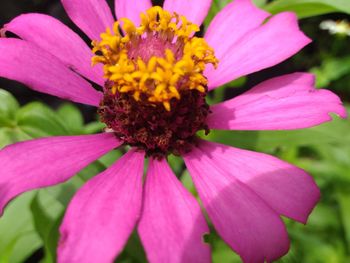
x: 154, y: 96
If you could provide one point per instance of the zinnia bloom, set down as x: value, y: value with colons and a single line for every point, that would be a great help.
x: 155, y: 76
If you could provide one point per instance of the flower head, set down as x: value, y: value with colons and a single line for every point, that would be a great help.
x: 156, y: 61
x: 155, y: 75
x: 154, y: 96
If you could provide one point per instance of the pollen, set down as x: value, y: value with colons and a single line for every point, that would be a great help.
x: 156, y: 61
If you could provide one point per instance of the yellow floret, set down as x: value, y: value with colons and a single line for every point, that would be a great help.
x: 158, y: 79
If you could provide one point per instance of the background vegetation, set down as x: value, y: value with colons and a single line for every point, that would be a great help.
x: 29, y: 227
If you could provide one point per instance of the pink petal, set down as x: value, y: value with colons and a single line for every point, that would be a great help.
x: 238, y: 17
x: 194, y: 10
x: 290, y: 191
x: 59, y: 40
x: 172, y: 224
x: 44, y: 162
x: 263, y: 47
x: 282, y: 103
x: 103, y: 213
x: 244, y: 220
x: 41, y: 71
x: 125, y: 9
x: 91, y: 16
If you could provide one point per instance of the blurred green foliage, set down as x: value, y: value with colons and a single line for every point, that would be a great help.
x: 308, y: 8
x: 30, y: 222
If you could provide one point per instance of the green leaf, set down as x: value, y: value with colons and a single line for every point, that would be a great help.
x: 322, y: 217
x: 65, y: 191
x: 187, y: 182
x: 331, y: 69
x: 308, y: 8
x: 72, y: 117
x: 221, y: 251
x: 47, y: 215
x: 110, y: 158
x: 8, y: 108
x: 91, y: 170
x: 94, y: 127
x: 38, y: 120
x: 18, y: 239
x: 12, y: 135
x: 176, y: 163
x: 260, y: 3
x: 344, y: 203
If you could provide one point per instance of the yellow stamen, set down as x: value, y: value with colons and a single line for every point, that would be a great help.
x: 159, y: 79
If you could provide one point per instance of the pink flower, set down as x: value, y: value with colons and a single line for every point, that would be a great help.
x: 243, y: 192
